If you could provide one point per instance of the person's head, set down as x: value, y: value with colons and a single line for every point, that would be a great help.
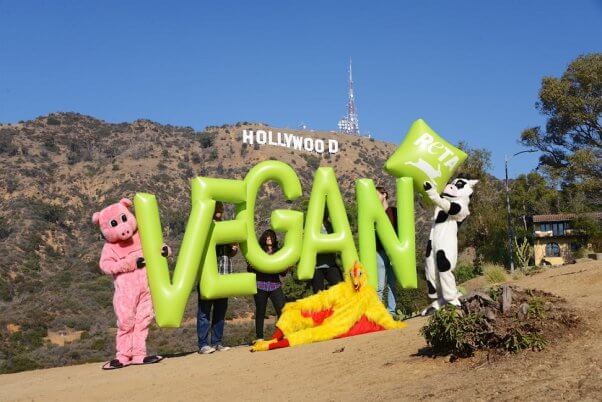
x: 219, y: 211
x: 383, y: 195
x: 268, y: 239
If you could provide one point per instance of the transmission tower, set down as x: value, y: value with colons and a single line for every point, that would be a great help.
x: 350, y: 123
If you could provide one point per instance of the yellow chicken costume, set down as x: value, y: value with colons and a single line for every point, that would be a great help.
x: 349, y: 308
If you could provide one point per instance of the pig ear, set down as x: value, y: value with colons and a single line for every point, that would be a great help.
x: 126, y: 202
x: 473, y: 182
x: 96, y: 218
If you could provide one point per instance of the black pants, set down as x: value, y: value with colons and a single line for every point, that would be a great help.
x: 261, y: 302
x: 331, y: 274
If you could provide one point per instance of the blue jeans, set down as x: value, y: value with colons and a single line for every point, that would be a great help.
x: 386, y: 277
x: 218, y: 319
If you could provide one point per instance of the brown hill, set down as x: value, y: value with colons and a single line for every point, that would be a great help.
x: 58, y: 169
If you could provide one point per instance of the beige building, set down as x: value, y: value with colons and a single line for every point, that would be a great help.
x: 555, y: 241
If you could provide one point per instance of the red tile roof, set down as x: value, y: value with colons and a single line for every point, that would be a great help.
x: 564, y: 217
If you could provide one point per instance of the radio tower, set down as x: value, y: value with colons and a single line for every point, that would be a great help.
x: 350, y: 124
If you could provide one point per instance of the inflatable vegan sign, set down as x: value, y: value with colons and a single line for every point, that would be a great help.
x: 422, y: 156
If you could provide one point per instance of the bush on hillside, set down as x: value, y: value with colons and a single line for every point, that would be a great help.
x: 509, y: 319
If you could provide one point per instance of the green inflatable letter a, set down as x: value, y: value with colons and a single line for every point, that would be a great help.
x: 399, y: 247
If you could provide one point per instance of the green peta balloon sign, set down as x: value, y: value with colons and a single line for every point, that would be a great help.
x: 196, y: 262
x: 425, y: 156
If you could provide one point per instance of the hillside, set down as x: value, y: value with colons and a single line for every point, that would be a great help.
x: 378, y: 366
x: 55, y: 305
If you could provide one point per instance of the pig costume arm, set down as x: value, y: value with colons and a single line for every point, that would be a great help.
x: 110, y: 264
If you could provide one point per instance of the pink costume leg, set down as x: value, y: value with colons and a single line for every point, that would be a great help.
x: 124, y: 303
x: 144, y: 316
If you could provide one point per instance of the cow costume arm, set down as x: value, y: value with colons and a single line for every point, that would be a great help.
x: 431, y: 191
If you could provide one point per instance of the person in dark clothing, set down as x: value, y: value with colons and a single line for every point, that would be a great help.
x: 268, y: 285
x: 224, y: 252
x: 326, y: 264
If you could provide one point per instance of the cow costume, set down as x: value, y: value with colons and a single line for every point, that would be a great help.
x: 451, y: 209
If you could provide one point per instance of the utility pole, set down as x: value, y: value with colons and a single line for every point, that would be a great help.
x: 510, y: 229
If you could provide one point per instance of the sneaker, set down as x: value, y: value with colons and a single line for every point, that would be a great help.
x: 221, y: 348
x: 206, y: 350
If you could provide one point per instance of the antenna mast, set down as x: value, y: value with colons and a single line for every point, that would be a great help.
x: 350, y: 123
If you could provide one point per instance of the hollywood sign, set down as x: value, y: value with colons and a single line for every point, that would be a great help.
x: 309, y: 144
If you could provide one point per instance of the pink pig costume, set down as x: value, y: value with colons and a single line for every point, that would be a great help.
x: 122, y: 258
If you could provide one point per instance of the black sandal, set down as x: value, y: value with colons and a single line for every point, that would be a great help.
x: 152, y: 359
x: 113, y: 365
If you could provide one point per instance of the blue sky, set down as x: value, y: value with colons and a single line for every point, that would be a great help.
x: 471, y: 69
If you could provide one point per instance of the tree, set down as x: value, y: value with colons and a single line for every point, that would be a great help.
x: 531, y: 195
x: 571, y: 143
x: 485, y: 228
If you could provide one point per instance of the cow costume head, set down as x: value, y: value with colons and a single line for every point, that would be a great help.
x: 459, y: 188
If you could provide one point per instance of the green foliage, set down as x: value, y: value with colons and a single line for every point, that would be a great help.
x: 571, y: 143
x: 451, y: 331
x: 495, y: 274
x: 537, y: 307
x: 313, y: 162
x: 485, y: 229
x: 6, y: 142
x: 522, y: 252
x: 295, y: 289
x: 518, y: 340
x: 466, y: 272
x: 4, y: 228
x: 409, y: 301
x: 590, y: 228
x: 50, y: 144
x: 244, y: 149
x: 50, y: 213
x: 212, y: 155
x: 53, y: 121
x: 206, y: 139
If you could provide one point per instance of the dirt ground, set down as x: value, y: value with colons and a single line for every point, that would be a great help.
x: 380, y: 366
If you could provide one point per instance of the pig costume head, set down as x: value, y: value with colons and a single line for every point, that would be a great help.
x: 117, y: 223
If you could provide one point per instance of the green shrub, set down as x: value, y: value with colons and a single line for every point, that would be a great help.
x: 465, y: 273
x: 495, y: 274
x: 4, y: 228
x: 206, y: 139
x: 518, y: 340
x: 450, y: 331
x: 53, y: 121
x: 212, y: 155
x: 537, y: 308
x: 295, y: 289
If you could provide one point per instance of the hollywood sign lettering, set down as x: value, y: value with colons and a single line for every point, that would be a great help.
x: 279, y: 139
